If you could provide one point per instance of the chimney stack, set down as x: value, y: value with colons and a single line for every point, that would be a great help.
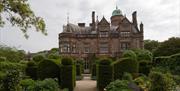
x: 93, y: 17
x: 134, y: 18
x: 93, y: 21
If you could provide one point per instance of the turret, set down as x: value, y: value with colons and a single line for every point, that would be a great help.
x: 134, y: 18
x: 141, y: 27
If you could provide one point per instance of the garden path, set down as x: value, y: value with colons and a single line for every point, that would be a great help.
x: 86, y: 84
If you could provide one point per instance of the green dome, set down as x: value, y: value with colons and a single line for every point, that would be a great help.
x: 116, y: 12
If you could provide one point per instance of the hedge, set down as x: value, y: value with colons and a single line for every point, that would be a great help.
x: 68, y: 73
x: 93, y: 72
x: 145, y: 67
x: 48, y: 69
x: 31, y: 70
x: 38, y: 58
x: 124, y: 65
x: 104, y: 74
x: 78, y: 72
x: 161, y: 61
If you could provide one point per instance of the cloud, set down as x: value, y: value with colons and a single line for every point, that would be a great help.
x: 160, y: 17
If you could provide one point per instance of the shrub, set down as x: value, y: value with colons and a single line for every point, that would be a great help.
x: 143, y: 55
x: 2, y: 59
x: 67, y: 79
x: 48, y: 69
x: 129, y: 54
x: 127, y: 76
x: 104, y: 73
x: 161, y: 61
x: 68, y: 73
x: 144, y: 67
x: 31, y: 70
x: 66, y: 61
x: 38, y: 58
x: 93, y: 72
x: 53, y: 56
x: 174, y: 63
x: 124, y: 65
x: 118, y: 85
x: 11, y: 80
x: 105, y: 62
x: 44, y: 85
x: 161, y: 82
x: 78, y: 71
x: 143, y: 82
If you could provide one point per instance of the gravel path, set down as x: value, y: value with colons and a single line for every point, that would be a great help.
x: 85, y: 85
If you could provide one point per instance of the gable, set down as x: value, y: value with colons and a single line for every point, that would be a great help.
x: 103, y: 22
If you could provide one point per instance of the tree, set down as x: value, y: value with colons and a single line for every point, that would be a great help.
x: 162, y: 82
x: 19, y: 14
x: 12, y: 54
x: 168, y: 47
x: 151, y: 45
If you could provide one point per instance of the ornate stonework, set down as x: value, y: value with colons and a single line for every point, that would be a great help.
x: 101, y: 37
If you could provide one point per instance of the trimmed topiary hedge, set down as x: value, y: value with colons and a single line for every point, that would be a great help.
x: 78, y: 72
x: 93, y: 71
x: 124, y: 65
x: 48, y: 69
x: 38, y: 58
x: 104, y: 73
x: 161, y: 61
x: 68, y: 73
x: 31, y: 70
x: 145, y: 67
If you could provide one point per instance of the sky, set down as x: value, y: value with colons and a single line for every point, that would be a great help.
x: 161, y: 19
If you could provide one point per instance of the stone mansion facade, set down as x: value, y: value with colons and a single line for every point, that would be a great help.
x: 102, y: 37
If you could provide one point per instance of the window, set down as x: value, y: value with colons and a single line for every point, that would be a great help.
x: 104, y: 47
x: 103, y: 34
x: 124, y: 46
x: 74, y: 48
x: 124, y: 34
x: 65, y: 47
x: 86, y: 50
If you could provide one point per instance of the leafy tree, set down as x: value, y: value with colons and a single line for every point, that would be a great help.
x: 151, y: 45
x: 168, y: 47
x: 11, y: 54
x: 162, y: 82
x: 19, y: 14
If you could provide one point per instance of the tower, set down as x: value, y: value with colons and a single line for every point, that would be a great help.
x: 116, y: 17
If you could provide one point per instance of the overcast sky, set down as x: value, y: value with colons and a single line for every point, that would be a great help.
x: 161, y: 19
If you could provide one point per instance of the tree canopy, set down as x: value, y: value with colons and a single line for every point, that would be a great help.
x: 168, y: 47
x: 19, y: 14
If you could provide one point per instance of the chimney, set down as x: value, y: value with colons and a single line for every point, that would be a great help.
x: 81, y: 24
x: 93, y: 21
x: 141, y: 27
x: 134, y: 18
x: 93, y: 17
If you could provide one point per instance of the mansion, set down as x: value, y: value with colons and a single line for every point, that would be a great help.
x: 102, y: 38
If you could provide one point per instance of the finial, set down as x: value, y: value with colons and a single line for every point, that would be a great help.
x: 67, y: 17
x: 116, y: 7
